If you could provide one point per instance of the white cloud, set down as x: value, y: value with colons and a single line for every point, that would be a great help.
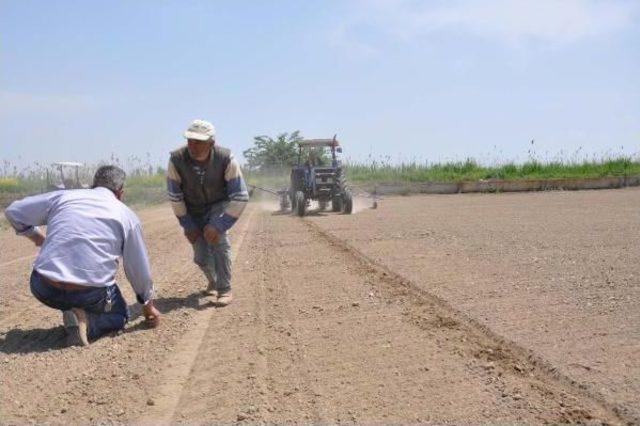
x: 555, y: 22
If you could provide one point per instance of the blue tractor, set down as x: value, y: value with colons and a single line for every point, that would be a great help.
x: 313, y: 178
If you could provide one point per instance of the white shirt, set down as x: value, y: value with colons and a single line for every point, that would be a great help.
x: 88, y: 230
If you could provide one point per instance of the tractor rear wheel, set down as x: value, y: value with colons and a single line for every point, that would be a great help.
x: 301, y: 203
x: 336, y: 204
x: 347, y: 203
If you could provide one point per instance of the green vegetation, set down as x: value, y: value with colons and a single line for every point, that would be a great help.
x: 143, y: 189
x: 470, y: 170
x: 11, y: 185
x: 147, y: 185
x: 144, y: 185
x: 147, y: 181
x: 268, y: 153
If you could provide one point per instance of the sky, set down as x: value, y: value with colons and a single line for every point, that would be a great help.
x: 399, y: 80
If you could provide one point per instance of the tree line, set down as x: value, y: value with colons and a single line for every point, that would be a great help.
x: 277, y: 153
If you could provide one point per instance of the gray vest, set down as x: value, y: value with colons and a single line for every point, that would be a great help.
x: 202, y: 185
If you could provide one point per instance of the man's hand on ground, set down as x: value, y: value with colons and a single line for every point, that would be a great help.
x: 192, y: 235
x: 151, y: 314
x: 211, y: 234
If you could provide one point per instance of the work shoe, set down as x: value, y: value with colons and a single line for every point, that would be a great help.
x: 224, y: 299
x: 211, y: 289
x: 75, y: 324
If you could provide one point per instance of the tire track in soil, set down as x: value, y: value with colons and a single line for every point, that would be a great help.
x: 244, y: 368
x: 428, y: 311
x: 272, y: 379
x: 318, y: 335
x: 267, y: 295
x: 180, y: 364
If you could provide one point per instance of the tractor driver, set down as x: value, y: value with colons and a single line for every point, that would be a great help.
x: 207, y: 194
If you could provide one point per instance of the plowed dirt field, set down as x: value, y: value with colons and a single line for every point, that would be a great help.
x: 494, y: 308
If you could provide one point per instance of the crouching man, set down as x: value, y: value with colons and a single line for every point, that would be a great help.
x: 88, y: 230
x: 207, y: 194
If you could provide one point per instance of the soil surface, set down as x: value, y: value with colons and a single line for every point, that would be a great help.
x: 483, y: 308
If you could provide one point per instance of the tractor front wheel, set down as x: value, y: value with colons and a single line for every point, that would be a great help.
x: 292, y: 198
x: 301, y: 203
x: 284, y: 202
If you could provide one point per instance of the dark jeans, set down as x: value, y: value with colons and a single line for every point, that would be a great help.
x: 106, y: 308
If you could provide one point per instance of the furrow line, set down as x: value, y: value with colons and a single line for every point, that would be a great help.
x: 513, y: 358
x: 181, y: 363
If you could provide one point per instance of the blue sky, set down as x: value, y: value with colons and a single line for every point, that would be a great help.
x: 426, y: 80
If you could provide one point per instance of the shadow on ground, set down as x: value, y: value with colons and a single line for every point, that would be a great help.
x: 20, y: 341
x: 198, y: 301
x: 193, y: 301
x: 42, y: 340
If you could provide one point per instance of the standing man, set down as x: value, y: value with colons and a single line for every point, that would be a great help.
x: 207, y: 194
x: 88, y: 230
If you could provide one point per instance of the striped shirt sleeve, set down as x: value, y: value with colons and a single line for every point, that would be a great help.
x: 238, y: 197
x: 176, y: 197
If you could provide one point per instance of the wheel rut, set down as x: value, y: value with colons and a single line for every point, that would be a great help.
x: 181, y: 362
x: 484, y: 349
x: 252, y: 363
x: 278, y: 321
x: 318, y: 333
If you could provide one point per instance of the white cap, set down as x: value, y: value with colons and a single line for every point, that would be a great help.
x: 200, y: 130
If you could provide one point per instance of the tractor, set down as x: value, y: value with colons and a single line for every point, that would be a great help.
x: 312, y: 179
